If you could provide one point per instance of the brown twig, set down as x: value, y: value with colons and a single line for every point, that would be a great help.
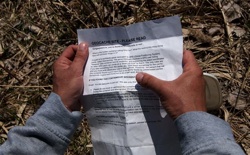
x: 227, y: 25
x: 149, y: 8
x: 96, y: 12
x: 9, y: 72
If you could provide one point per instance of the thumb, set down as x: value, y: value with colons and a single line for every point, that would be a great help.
x: 81, y: 56
x: 189, y: 62
x: 151, y: 82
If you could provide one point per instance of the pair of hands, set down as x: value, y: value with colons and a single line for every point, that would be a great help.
x: 185, y: 94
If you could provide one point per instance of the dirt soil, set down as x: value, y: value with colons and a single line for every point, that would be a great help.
x: 34, y: 33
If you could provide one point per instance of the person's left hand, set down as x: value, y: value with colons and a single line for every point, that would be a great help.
x: 68, y: 75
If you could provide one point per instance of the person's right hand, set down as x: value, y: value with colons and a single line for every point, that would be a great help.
x: 185, y: 94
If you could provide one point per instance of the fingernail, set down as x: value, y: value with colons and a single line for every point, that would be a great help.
x: 139, y: 77
x: 82, y: 46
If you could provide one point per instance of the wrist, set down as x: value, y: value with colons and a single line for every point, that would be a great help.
x: 69, y: 103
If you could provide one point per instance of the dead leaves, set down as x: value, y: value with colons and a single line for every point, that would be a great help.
x: 231, y: 10
x: 200, y: 36
x: 238, y: 101
x: 34, y: 33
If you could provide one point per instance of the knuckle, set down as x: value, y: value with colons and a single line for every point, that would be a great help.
x: 71, y: 47
x: 55, y: 64
x: 80, y: 55
x: 199, y: 72
x: 203, y: 81
x: 146, y: 80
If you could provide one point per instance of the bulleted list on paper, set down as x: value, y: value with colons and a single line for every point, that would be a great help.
x: 124, y: 117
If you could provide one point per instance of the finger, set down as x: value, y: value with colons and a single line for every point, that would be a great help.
x: 151, y: 82
x: 70, y: 52
x: 189, y: 61
x: 81, y: 57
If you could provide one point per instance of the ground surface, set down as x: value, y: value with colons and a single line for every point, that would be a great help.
x: 34, y: 33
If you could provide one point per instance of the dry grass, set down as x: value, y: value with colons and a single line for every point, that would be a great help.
x: 34, y: 33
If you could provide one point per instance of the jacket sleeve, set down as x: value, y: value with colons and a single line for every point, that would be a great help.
x: 48, y: 131
x: 202, y: 133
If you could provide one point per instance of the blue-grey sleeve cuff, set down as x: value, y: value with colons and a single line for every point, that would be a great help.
x: 54, y: 116
x: 200, y: 131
